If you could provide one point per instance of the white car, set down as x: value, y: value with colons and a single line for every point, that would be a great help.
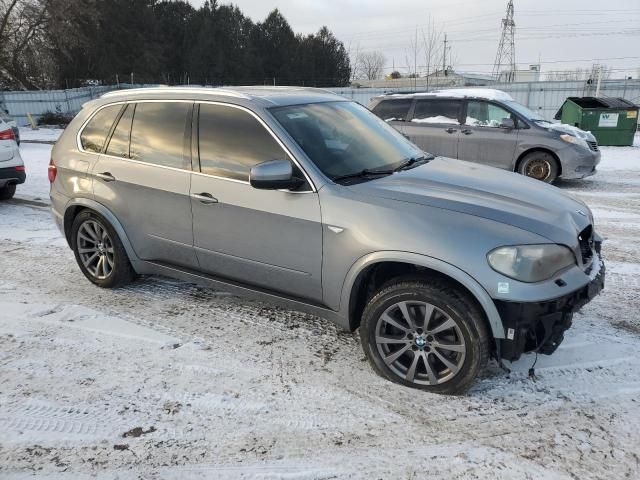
x: 12, y: 170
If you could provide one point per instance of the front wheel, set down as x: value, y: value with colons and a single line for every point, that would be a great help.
x: 539, y: 165
x: 426, y: 335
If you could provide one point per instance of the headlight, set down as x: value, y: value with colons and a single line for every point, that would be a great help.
x: 575, y: 140
x: 531, y: 263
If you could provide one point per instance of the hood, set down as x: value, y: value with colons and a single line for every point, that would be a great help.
x: 571, y: 130
x: 486, y: 192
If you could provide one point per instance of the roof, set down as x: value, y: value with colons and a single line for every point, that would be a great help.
x: 484, y: 93
x: 266, y: 96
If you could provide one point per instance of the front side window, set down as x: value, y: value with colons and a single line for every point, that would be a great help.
x: 231, y: 141
x: 439, y: 111
x: 158, y: 132
x: 119, y: 143
x: 485, y: 114
x: 393, y: 110
x: 343, y: 138
x: 95, y: 132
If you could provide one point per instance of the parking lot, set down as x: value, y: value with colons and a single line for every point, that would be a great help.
x: 162, y: 378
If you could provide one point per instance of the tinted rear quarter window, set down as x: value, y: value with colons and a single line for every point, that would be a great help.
x: 119, y: 143
x: 95, y: 132
x: 158, y: 133
x: 231, y: 141
x: 437, y: 111
x: 393, y: 110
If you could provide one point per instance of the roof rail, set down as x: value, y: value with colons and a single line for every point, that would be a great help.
x: 143, y: 91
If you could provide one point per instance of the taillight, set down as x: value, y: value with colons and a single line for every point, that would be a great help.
x: 53, y: 171
x: 20, y: 168
x: 7, y: 135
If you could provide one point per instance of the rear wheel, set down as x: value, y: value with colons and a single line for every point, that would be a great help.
x: 426, y: 335
x: 7, y: 192
x: 99, y: 252
x: 539, y: 165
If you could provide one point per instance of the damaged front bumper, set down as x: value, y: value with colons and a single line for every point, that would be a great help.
x: 540, y: 326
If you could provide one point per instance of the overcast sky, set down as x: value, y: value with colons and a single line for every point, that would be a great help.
x: 560, y: 34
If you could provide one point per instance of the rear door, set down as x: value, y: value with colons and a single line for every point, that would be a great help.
x: 144, y: 175
x: 483, y: 140
x: 434, y: 125
x: 267, y: 238
x: 394, y: 111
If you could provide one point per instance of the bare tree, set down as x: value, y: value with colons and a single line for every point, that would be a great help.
x: 354, y: 60
x: 26, y: 42
x: 21, y: 23
x: 371, y: 65
x: 411, y: 55
x: 432, y: 47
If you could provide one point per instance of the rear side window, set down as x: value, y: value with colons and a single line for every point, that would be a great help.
x: 437, y: 111
x: 95, y: 132
x: 393, y: 110
x: 158, y: 133
x: 119, y: 143
x: 231, y: 141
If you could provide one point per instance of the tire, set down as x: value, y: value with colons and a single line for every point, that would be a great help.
x: 455, y: 321
x: 539, y: 166
x: 92, y: 234
x: 7, y: 192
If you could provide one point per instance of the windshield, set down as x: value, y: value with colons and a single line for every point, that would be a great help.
x: 344, y: 138
x: 524, y: 111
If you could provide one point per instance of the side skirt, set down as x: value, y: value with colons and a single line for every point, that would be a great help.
x: 242, y: 290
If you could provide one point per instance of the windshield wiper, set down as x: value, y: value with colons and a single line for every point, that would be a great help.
x: 409, y: 162
x: 363, y: 173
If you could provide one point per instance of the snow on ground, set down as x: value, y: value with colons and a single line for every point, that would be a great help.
x: 163, y: 379
x: 41, y: 134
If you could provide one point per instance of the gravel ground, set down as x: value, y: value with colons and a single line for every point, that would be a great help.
x: 163, y: 379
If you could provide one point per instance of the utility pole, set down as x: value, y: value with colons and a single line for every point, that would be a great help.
x: 444, y: 56
x: 506, y: 55
x: 415, y: 62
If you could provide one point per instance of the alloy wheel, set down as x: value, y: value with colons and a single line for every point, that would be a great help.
x: 95, y: 248
x: 420, y: 343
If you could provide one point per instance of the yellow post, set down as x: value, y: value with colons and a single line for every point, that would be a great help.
x: 32, y: 121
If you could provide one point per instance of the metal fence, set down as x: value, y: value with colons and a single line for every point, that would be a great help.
x: 544, y: 98
x: 38, y: 102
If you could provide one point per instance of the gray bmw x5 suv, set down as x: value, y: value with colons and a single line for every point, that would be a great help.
x: 300, y: 197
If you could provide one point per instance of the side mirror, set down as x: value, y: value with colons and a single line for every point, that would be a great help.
x: 274, y: 175
x: 508, y: 123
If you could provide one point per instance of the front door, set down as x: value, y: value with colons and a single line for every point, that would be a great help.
x: 143, y: 176
x: 435, y: 126
x: 267, y: 238
x: 483, y: 140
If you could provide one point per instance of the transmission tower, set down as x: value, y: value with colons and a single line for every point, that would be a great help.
x: 506, y: 56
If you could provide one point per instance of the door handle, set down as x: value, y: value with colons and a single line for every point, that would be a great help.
x: 205, y: 198
x: 466, y: 131
x: 106, y: 176
x: 450, y: 130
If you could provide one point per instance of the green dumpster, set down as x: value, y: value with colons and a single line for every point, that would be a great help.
x: 613, y: 121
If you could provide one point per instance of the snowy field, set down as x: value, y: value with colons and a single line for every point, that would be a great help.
x: 163, y: 379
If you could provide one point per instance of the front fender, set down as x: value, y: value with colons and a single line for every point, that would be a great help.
x: 432, y: 263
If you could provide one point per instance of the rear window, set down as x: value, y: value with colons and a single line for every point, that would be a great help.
x: 393, y: 110
x: 437, y: 111
x: 158, y: 133
x: 95, y: 132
